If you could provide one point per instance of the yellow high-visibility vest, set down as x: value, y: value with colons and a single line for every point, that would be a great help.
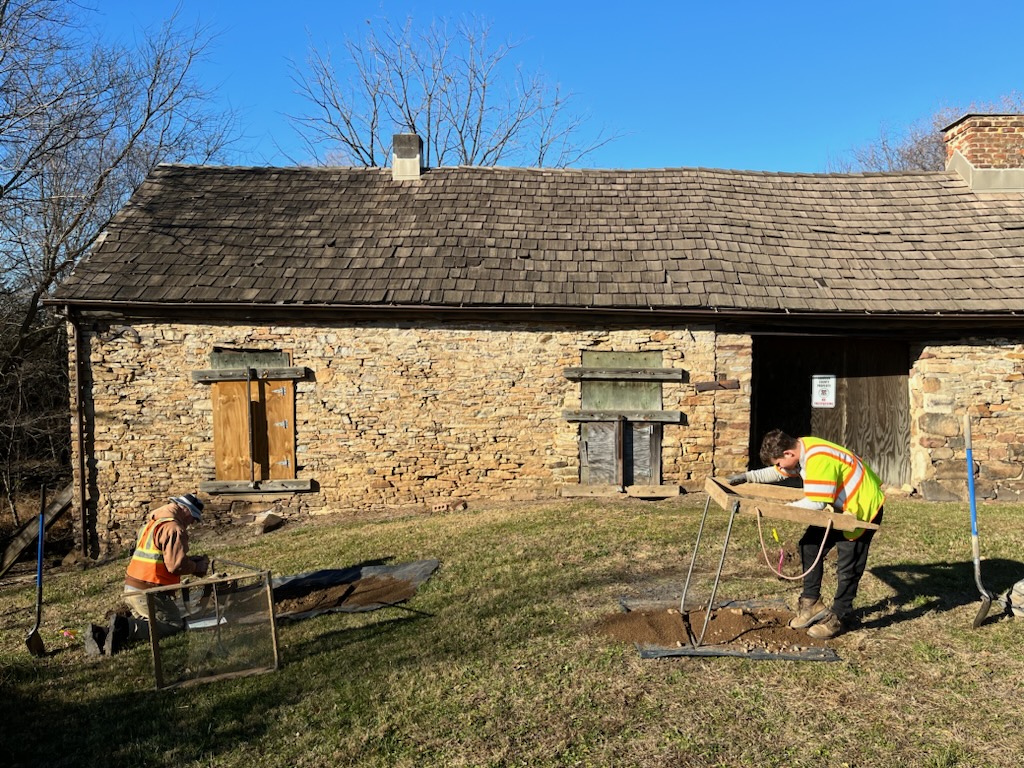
x: 835, y: 476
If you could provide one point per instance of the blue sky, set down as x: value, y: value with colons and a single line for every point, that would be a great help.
x: 776, y: 86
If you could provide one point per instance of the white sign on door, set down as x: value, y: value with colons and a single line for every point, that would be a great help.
x: 823, y: 391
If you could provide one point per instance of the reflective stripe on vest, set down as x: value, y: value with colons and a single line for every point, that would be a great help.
x: 835, y: 476
x: 147, y: 563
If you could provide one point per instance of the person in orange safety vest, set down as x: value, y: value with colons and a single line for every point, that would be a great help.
x: 160, y: 559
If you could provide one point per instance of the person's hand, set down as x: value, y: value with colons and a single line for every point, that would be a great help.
x: 739, y: 479
x: 202, y: 564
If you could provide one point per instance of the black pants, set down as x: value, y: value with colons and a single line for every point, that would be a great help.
x: 852, y: 560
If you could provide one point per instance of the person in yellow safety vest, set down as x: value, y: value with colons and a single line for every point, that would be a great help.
x: 160, y: 559
x: 831, y: 475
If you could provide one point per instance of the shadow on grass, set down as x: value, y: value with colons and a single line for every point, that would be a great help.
x: 111, y: 730
x: 345, y: 636
x: 171, y: 727
x: 929, y: 587
x: 332, y: 671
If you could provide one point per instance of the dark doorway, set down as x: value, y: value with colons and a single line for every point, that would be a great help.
x: 868, y: 407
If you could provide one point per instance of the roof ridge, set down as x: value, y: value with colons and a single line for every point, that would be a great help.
x: 694, y: 169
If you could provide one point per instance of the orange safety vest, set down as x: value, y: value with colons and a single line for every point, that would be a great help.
x: 147, y: 563
x: 834, y: 475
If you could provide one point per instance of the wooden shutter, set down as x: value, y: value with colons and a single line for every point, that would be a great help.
x: 267, y: 408
x: 231, y: 430
x: 280, y: 432
x: 621, y: 451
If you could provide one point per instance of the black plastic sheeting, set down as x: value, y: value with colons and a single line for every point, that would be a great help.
x: 648, y: 651
x: 808, y: 654
x: 295, y: 587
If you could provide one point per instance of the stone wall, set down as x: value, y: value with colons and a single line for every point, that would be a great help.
x: 986, y: 379
x: 393, y: 415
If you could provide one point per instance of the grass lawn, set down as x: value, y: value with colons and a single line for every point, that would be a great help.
x: 500, y: 663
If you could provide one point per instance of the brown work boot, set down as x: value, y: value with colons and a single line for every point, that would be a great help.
x: 828, y: 627
x: 809, y: 610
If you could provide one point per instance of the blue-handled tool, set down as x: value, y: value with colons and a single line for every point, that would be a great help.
x: 986, y: 596
x: 34, y: 641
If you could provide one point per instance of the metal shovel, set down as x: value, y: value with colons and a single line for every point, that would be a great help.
x: 986, y: 596
x: 34, y: 641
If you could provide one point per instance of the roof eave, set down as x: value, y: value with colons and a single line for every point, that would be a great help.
x: 755, y: 319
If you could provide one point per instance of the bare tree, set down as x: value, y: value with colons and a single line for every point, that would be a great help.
x: 919, y: 146
x: 458, y: 92
x: 82, y: 123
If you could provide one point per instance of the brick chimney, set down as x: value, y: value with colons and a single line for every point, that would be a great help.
x: 407, y: 160
x: 987, y: 151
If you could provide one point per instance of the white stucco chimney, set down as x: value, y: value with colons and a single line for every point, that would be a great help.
x: 407, y: 159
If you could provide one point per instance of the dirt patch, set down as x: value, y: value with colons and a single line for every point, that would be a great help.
x: 364, y: 592
x: 763, y: 629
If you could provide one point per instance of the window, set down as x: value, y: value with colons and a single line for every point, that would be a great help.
x: 253, y: 395
x: 621, y: 452
x: 621, y: 418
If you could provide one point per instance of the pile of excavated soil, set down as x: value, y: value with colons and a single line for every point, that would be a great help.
x: 743, y: 629
x: 363, y: 592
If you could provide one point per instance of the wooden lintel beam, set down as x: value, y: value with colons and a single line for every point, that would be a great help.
x: 264, y: 486
x: 240, y: 374
x: 659, y: 417
x: 625, y: 374
x: 710, y: 386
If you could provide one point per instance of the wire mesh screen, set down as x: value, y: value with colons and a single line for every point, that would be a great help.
x: 218, y: 627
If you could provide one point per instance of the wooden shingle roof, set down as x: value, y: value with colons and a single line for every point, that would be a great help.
x: 674, y: 239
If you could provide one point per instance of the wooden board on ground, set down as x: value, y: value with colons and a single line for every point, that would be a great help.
x: 28, y: 532
x: 725, y: 496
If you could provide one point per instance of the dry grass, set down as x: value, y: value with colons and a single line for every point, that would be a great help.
x: 508, y: 670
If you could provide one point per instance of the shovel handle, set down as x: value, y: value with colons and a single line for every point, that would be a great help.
x: 39, y: 555
x: 34, y: 641
x: 970, y: 478
x: 986, y: 596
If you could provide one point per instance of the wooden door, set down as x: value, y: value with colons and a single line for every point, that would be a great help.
x: 601, y: 453
x: 642, y: 455
x: 871, y: 414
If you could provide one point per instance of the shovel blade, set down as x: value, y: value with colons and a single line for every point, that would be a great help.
x: 986, y: 604
x: 35, y: 643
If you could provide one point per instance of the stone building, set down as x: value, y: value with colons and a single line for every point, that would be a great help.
x: 324, y: 339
